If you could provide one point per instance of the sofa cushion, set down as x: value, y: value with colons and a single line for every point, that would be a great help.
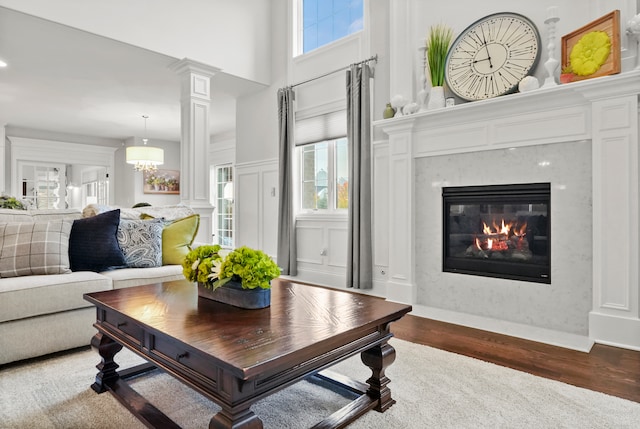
x: 24, y: 297
x: 128, y: 277
x: 11, y: 215
x: 169, y: 212
x: 166, y: 212
x: 45, y: 215
x: 141, y: 242
x: 177, y: 238
x: 93, y: 245
x: 37, y: 248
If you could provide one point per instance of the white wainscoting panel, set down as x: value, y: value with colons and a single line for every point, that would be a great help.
x: 311, y: 243
x: 248, y: 208
x: 337, y: 248
x: 257, y: 205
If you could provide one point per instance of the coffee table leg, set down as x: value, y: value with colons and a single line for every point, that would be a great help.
x: 244, y: 419
x: 107, y: 348
x: 378, y: 358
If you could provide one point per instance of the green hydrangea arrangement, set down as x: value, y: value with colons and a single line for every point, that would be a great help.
x: 213, y: 267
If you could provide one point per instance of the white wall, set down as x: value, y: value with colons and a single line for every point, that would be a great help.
x: 209, y: 31
x: 256, y: 180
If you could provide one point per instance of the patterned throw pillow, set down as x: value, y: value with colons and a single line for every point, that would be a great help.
x: 36, y: 248
x: 141, y: 242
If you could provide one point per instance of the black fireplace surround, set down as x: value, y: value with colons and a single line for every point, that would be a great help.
x: 498, y: 231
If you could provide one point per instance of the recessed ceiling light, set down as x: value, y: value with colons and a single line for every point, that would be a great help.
x: 2, y: 64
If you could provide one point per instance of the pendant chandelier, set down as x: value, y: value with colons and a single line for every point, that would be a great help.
x: 145, y: 158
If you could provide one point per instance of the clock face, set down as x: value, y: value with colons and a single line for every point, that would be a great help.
x: 491, y: 56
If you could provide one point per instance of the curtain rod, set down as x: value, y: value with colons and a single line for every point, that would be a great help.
x: 373, y: 58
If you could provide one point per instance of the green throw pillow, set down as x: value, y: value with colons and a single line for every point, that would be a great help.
x: 177, y: 237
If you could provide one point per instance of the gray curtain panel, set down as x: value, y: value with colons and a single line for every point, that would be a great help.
x: 286, y: 221
x: 359, y: 248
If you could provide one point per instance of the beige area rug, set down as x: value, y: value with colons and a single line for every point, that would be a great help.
x: 433, y: 389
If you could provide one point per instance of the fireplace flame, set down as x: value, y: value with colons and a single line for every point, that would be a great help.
x: 501, y: 237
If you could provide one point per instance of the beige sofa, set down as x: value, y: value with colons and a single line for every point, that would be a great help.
x: 42, y: 314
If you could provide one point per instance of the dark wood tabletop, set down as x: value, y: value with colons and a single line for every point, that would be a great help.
x: 307, y: 328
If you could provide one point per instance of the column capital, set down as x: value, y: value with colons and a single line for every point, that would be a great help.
x: 186, y: 65
x: 195, y: 78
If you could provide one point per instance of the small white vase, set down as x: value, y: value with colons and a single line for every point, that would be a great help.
x: 436, y: 98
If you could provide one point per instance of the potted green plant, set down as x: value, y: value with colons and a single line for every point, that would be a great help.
x: 240, y: 277
x: 7, y: 202
x: 438, y: 43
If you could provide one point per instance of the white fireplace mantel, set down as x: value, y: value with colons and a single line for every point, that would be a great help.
x: 602, y: 111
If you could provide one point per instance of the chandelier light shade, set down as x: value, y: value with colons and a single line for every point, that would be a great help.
x: 145, y: 158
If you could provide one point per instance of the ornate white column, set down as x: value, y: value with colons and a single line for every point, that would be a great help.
x: 401, y: 283
x: 195, y: 102
x: 615, y: 318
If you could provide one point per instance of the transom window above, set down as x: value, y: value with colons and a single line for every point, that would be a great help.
x: 321, y: 22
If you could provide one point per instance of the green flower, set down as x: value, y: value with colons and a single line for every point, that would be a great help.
x: 199, y: 262
x: 253, y: 268
x: 590, y: 53
x: 214, y: 267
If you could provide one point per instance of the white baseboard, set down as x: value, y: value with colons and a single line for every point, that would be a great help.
x: 623, y: 332
x: 532, y: 333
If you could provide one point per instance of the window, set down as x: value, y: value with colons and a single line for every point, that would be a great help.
x: 321, y: 22
x: 324, y: 173
x: 95, y: 182
x: 43, y: 185
x: 224, y: 204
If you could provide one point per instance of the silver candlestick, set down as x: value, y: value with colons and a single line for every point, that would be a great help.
x: 552, y: 63
x: 422, y: 93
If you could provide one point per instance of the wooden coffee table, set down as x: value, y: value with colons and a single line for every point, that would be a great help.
x: 236, y: 357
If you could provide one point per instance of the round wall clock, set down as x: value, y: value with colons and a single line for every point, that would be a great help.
x: 491, y: 56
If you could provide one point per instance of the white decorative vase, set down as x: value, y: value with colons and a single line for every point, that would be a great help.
x: 436, y: 98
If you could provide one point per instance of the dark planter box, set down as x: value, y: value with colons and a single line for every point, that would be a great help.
x: 233, y: 294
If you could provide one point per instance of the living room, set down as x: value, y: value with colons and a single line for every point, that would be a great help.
x: 593, y: 297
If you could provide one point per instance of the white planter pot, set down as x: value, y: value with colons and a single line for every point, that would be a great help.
x: 436, y: 98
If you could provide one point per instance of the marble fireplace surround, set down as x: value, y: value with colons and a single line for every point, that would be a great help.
x: 583, y: 139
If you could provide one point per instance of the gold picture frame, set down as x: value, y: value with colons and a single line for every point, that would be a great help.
x: 161, y: 182
x: 610, y: 24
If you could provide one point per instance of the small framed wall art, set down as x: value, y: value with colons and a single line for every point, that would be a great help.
x: 593, y: 50
x: 161, y: 182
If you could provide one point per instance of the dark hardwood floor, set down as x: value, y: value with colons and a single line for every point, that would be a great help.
x: 605, y: 369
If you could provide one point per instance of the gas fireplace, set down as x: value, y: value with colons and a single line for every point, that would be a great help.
x: 498, y: 231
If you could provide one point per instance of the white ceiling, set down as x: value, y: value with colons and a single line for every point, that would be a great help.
x: 64, y: 80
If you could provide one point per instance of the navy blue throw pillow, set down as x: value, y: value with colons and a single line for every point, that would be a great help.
x: 93, y: 243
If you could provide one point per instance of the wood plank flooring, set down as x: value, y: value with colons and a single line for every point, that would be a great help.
x: 605, y: 369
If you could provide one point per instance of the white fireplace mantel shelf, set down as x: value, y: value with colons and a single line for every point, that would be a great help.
x: 602, y: 112
x: 512, y: 120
